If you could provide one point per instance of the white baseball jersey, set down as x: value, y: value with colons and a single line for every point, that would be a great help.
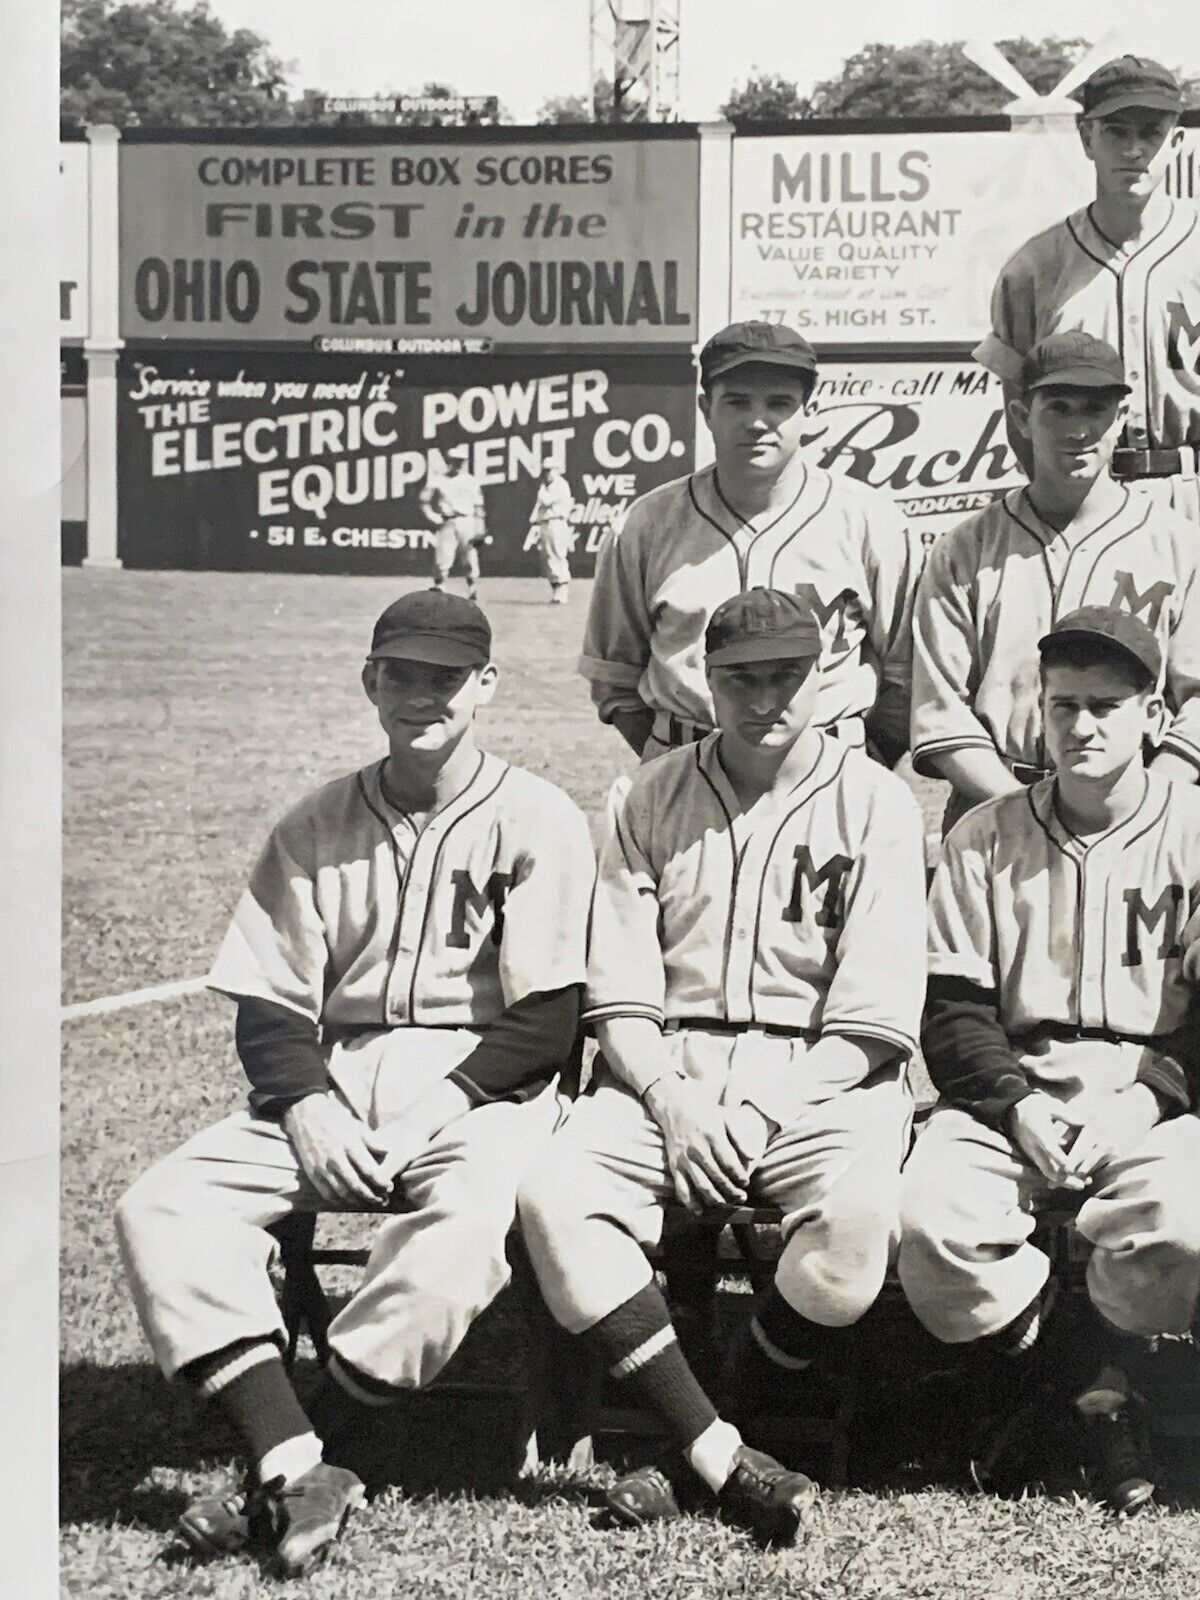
x: 1143, y: 298
x: 553, y: 503
x: 458, y: 496
x: 993, y: 586
x: 355, y: 918
x: 1080, y: 943
x: 805, y: 913
x: 682, y: 550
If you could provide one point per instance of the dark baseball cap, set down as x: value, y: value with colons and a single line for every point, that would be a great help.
x: 1124, y: 633
x: 761, y: 625
x: 430, y: 625
x: 1129, y: 81
x: 1073, y: 361
x: 763, y: 343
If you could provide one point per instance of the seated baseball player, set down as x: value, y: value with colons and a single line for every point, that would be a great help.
x: 767, y: 513
x: 755, y: 979
x: 407, y: 962
x: 1072, y: 537
x: 1062, y: 1036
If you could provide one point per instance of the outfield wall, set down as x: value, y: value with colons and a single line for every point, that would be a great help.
x: 285, y: 331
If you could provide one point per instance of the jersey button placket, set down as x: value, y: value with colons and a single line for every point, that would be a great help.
x: 1091, y: 940
x: 741, y: 943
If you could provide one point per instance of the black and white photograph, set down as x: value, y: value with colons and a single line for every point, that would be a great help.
x: 600, y: 800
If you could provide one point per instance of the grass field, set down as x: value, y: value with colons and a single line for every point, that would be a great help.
x: 196, y: 707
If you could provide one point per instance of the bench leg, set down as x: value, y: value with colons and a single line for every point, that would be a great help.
x: 564, y: 1382
x: 302, y: 1300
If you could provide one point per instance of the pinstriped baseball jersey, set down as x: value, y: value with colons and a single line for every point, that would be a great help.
x: 1072, y: 936
x: 994, y: 585
x: 805, y: 912
x: 353, y: 917
x: 682, y: 550
x: 1143, y: 298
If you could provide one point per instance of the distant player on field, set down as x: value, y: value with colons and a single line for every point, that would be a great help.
x: 1125, y: 268
x: 1073, y: 537
x: 453, y: 502
x: 550, y: 525
x: 1062, y: 1034
x: 407, y: 963
x: 755, y: 979
x: 762, y: 515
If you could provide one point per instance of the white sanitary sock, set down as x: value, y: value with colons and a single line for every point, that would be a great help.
x: 711, y: 1455
x: 291, y: 1459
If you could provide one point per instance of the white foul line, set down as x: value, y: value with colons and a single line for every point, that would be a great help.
x: 134, y: 997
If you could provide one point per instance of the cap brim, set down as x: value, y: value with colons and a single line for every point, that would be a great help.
x: 1079, y: 378
x: 779, y: 649
x: 761, y: 358
x: 1129, y: 99
x: 1048, y: 642
x: 434, y: 651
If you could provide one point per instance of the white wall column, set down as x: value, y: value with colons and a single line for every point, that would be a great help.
x: 102, y: 346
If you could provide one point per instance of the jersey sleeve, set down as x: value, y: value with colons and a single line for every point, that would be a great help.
x: 626, y: 975
x: 962, y: 942
x: 1183, y: 657
x: 945, y: 664
x: 275, y: 948
x: 544, y: 941
x: 893, y: 558
x: 878, y: 988
x: 1014, y: 331
x: 616, y: 636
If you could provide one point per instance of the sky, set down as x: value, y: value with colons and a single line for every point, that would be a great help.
x: 527, y: 51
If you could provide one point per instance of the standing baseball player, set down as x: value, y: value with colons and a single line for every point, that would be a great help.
x: 1073, y: 537
x: 550, y: 528
x: 755, y: 980
x: 407, y: 962
x: 1062, y: 1036
x: 453, y: 502
x: 762, y: 515
x: 1126, y: 268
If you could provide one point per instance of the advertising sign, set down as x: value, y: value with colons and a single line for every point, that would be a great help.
x: 522, y: 243
x: 73, y: 241
x: 930, y: 434
x: 870, y: 238
x: 282, y: 462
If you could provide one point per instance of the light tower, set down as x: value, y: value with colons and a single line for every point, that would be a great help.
x: 636, y: 44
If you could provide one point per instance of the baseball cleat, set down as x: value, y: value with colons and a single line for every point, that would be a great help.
x: 218, y: 1524
x: 642, y: 1496
x: 764, y: 1497
x: 309, y: 1513
x: 1118, y: 1463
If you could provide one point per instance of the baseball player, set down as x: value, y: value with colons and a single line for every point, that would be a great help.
x: 993, y: 585
x: 762, y: 515
x: 1125, y: 268
x: 550, y: 528
x: 453, y: 502
x: 755, y: 980
x: 407, y: 962
x: 1062, y: 1036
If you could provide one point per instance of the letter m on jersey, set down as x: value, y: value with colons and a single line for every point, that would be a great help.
x: 826, y: 884
x: 1183, y: 340
x: 1167, y: 909
x: 1150, y: 601
x: 493, y: 894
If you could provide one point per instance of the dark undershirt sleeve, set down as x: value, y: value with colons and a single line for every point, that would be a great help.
x: 1173, y: 1072
x: 967, y: 1051
x: 281, y: 1053
x: 527, y: 1044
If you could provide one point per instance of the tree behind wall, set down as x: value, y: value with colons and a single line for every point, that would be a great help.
x: 162, y: 63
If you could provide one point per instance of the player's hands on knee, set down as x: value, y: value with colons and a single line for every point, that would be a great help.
x: 706, y: 1166
x: 1044, y: 1129
x: 749, y: 1131
x: 1119, y: 1124
x: 339, y: 1154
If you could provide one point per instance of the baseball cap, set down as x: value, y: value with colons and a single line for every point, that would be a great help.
x: 1073, y: 360
x: 764, y: 343
x: 1129, y: 81
x: 430, y: 625
x: 1127, y: 634
x: 761, y: 625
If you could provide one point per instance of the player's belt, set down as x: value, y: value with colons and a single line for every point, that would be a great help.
x: 1025, y: 771
x: 676, y: 731
x: 773, y: 1030
x: 1156, y: 463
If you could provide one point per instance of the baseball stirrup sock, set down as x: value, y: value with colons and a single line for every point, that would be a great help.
x: 640, y: 1348
x: 785, y: 1338
x: 247, y: 1380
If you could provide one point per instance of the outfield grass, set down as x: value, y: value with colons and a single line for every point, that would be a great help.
x: 196, y: 707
